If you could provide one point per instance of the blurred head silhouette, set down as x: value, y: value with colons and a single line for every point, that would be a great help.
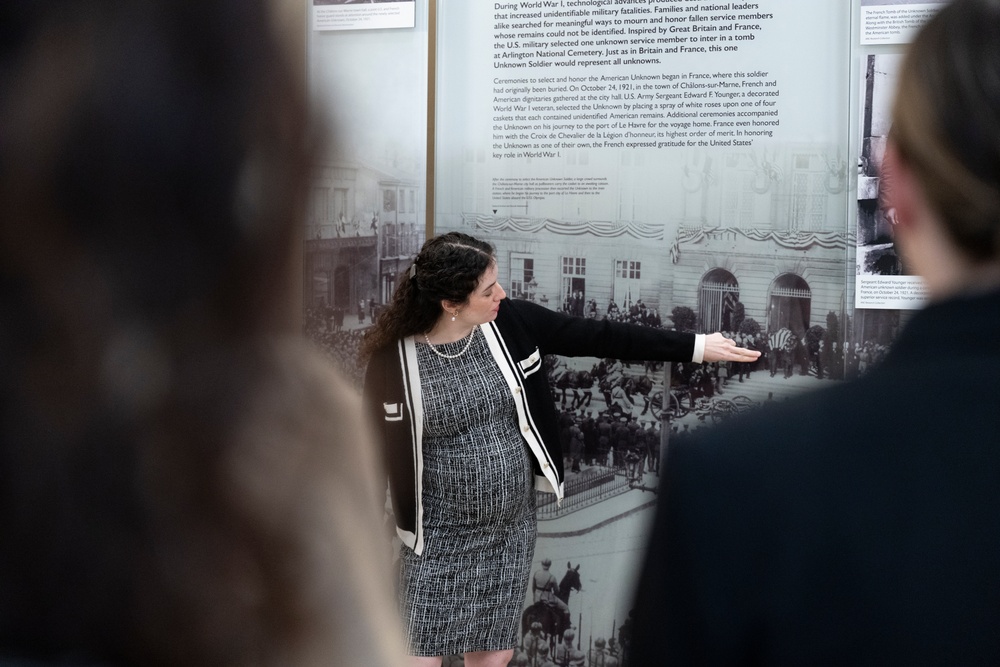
x: 944, y: 150
x: 175, y: 483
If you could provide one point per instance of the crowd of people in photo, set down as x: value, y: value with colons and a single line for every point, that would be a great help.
x: 625, y: 394
x: 634, y: 312
x: 338, y: 330
x: 600, y: 436
x: 570, y: 650
x: 620, y: 430
x: 609, y: 417
x: 325, y: 328
x: 801, y: 355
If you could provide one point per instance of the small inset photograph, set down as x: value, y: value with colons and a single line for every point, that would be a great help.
x: 363, y: 14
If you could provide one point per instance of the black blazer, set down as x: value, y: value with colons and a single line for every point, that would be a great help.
x: 857, y: 525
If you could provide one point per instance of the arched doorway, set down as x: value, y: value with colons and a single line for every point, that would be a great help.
x: 718, y: 295
x: 789, y: 305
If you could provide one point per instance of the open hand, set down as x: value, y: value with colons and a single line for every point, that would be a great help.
x: 720, y: 348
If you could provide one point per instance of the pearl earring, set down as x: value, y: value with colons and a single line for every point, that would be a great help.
x: 453, y: 317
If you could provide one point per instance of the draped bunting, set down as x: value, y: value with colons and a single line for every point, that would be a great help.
x: 599, y: 228
x: 791, y: 240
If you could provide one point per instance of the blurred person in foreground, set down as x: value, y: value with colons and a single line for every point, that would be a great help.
x: 180, y: 474
x: 859, y: 525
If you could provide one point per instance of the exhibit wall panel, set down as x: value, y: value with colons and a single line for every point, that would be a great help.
x: 701, y: 165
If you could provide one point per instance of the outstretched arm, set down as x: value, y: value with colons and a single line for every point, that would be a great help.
x: 719, y: 348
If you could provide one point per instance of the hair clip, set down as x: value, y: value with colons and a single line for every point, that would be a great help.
x: 413, y: 270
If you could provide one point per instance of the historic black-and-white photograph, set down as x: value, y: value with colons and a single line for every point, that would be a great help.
x: 876, y: 253
x: 750, y: 241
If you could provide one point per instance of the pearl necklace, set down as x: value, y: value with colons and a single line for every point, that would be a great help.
x: 441, y: 354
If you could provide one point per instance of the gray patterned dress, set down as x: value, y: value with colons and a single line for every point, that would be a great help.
x: 466, y: 590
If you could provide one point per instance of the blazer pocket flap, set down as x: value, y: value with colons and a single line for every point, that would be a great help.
x: 393, y: 411
x: 532, y: 363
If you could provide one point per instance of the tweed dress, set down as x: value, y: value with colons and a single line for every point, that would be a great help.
x: 466, y: 590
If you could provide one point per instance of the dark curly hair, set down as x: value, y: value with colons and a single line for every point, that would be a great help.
x: 447, y: 268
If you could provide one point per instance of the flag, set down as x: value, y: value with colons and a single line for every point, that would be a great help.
x: 782, y: 339
x: 729, y: 301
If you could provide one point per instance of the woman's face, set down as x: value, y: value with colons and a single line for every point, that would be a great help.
x: 484, y: 302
